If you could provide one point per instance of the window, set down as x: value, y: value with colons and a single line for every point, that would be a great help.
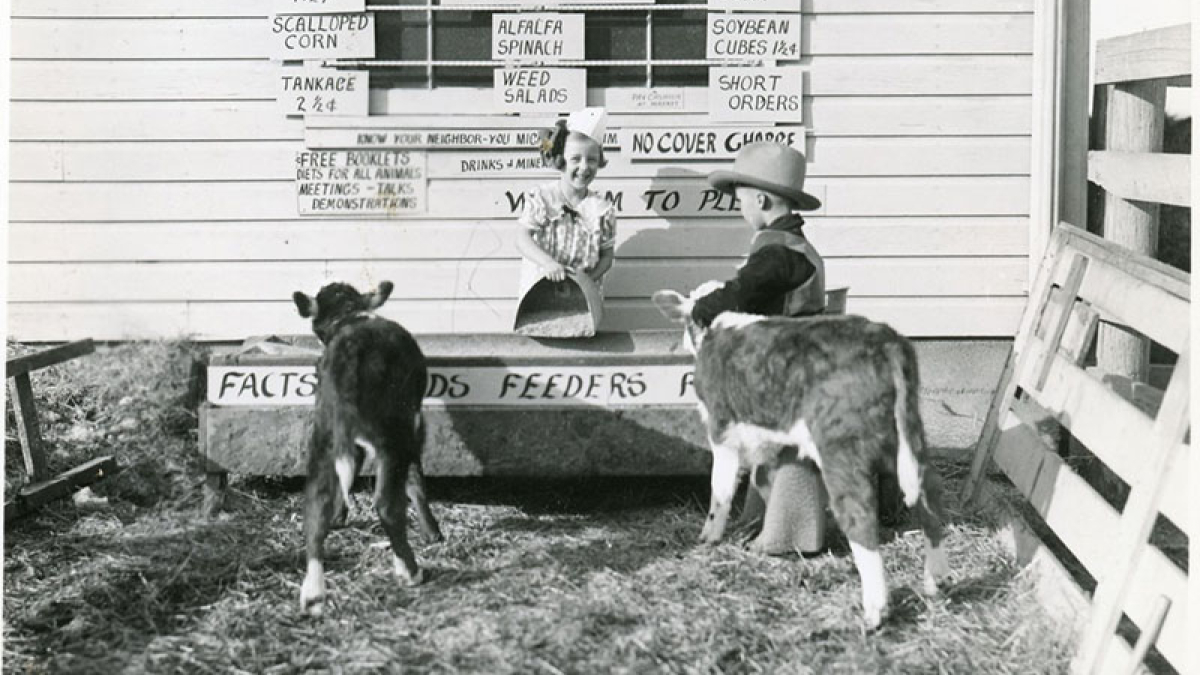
x: 417, y: 44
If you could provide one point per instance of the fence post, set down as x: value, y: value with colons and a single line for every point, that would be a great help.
x: 1134, y: 123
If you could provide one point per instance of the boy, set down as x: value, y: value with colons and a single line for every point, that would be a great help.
x: 784, y: 275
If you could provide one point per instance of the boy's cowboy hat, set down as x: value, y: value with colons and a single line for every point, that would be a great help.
x: 773, y: 167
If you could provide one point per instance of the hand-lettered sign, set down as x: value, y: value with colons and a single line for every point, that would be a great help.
x: 323, y: 91
x: 318, y: 6
x: 701, y: 143
x: 539, y: 37
x: 647, y: 100
x: 771, y: 94
x: 533, y: 90
x: 460, y: 139
x: 322, y: 36
x: 761, y: 36
x: 348, y: 182
x: 517, y: 386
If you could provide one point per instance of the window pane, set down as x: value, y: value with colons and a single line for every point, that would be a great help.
x: 612, y: 36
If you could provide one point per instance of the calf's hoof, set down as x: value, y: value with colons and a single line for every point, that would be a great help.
x: 312, y: 597
x: 409, y: 577
x: 873, y: 619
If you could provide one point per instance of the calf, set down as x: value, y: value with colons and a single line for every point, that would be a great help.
x: 371, y: 380
x: 842, y: 391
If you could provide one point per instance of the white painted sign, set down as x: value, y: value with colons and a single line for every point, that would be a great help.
x: 322, y: 36
x: 323, y: 91
x: 649, y: 100
x: 755, y: 5
x: 348, y: 182
x: 537, y: 37
x: 702, y: 142
x: 491, y: 164
x: 318, y: 6
x: 476, y: 139
x: 534, y: 90
x: 760, y: 36
x: 515, y: 386
x: 755, y: 94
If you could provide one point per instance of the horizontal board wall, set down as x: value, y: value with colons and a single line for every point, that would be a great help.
x: 152, y: 190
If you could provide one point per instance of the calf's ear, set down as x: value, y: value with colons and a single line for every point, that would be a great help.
x: 672, y: 305
x: 379, y: 295
x: 304, y: 304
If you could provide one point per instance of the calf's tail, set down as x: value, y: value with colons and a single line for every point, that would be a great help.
x: 910, y: 433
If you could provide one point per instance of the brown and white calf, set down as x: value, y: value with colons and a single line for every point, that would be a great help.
x: 842, y: 390
x: 371, y: 380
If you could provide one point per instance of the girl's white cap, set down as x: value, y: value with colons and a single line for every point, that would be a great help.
x: 589, y: 122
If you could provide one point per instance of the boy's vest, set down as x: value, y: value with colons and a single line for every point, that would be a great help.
x: 808, y: 298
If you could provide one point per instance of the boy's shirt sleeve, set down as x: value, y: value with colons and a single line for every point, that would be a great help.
x: 769, y: 272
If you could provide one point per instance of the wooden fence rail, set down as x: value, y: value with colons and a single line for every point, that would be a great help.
x: 1109, y: 295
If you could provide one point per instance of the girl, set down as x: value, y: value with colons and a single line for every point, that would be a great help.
x: 565, y: 226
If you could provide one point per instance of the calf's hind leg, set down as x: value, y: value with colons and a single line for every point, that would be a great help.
x: 320, y: 502
x: 392, y: 507
x: 929, y: 514
x: 415, y: 486
x: 724, y: 485
x: 853, y: 498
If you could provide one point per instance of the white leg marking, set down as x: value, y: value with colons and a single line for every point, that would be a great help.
x: 937, y: 567
x: 312, y: 591
x: 402, y: 572
x: 874, y: 584
x: 368, y: 448
x: 801, y: 437
x: 724, y: 485
x: 344, y: 466
x: 703, y: 412
x: 908, y: 473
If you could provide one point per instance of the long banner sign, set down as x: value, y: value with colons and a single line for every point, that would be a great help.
x: 518, y: 386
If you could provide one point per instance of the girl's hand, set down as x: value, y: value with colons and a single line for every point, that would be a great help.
x: 555, y: 272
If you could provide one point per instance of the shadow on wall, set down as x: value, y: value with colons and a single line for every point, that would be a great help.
x: 655, y: 256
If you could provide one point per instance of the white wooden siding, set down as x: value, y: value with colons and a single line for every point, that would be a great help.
x: 152, y: 193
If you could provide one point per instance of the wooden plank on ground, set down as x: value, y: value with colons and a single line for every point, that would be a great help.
x: 1142, y: 176
x: 35, y: 495
x: 1152, y: 54
x: 47, y: 357
x: 25, y: 411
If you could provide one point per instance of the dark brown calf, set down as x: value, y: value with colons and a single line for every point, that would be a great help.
x: 838, y: 390
x: 371, y: 380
